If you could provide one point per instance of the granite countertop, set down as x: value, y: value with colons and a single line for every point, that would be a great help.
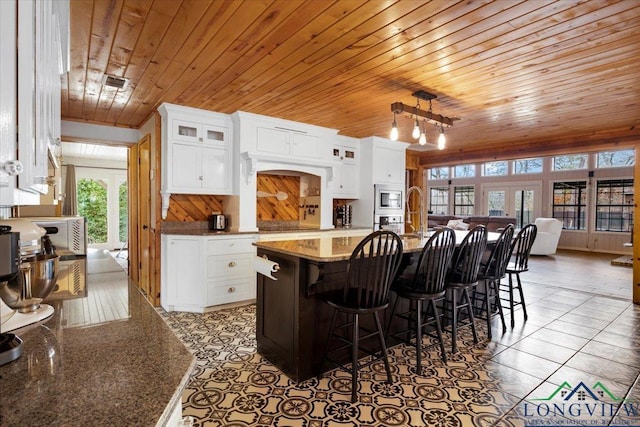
x: 115, y: 364
x: 328, y: 249
x: 201, y: 228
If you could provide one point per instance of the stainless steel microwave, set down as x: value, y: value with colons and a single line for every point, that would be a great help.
x: 388, y: 200
x: 68, y: 234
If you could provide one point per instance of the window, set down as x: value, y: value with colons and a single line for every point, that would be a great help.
x: 570, y: 204
x: 463, y: 199
x: 614, y: 159
x: 464, y: 171
x: 439, y: 201
x: 570, y: 162
x: 495, y: 168
x: 614, y: 205
x: 523, y: 166
x: 439, y: 173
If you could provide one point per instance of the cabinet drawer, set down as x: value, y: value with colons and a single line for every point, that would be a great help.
x: 230, y: 266
x: 230, y: 291
x: 230, y: 246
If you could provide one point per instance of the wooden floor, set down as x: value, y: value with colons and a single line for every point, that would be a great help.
x: 584, y: 271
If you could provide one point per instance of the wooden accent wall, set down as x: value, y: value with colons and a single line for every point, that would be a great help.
x: 192, y: 207
x: 270, y: 208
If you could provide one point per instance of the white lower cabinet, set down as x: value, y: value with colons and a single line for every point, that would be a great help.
x: 204, y: 271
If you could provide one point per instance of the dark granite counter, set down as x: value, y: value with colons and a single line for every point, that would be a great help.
x: 105, y: 359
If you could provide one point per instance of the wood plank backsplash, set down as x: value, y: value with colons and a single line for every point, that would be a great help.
x: 192, y: 207
x: 270, y: 208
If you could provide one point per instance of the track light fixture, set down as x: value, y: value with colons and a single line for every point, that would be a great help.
x: 428, y: 117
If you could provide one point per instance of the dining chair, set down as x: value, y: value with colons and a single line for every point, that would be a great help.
x: 463, y: 276
x: 492, y: 271
x: 424, y: 285
x: 519, y: 263
x: 372, y: 267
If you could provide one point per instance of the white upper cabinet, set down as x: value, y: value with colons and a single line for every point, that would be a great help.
x: 42, y: 54
x: 286, y: 142
x: 346, y: 156
x: 389, y: 165
x: 196, y: 152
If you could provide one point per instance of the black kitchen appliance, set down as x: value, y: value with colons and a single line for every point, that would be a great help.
x: 217, y: 222
x: 10, y: 344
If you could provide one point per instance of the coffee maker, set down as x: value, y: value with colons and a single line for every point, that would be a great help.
x: 343, y: 215
x: 10, y: 344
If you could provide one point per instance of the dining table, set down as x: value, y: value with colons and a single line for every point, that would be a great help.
x: 292, y: 321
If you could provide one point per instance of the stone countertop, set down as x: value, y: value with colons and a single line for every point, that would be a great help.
x: 127, y: 371
x: 328, y: 249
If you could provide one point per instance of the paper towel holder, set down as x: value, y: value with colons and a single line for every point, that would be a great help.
x: 275, y: 267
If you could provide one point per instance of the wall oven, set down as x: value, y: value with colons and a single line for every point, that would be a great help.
x: 388, y: 200
x: 388, y: 210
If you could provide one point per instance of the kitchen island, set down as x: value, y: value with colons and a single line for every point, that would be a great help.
x: 104, y: 358
x: 292, y: 321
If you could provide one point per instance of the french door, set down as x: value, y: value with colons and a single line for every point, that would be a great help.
x: 521, y: 200
x: 102, y: 200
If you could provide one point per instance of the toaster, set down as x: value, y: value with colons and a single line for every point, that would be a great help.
x: 217, y: 222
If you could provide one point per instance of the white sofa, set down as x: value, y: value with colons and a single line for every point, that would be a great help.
x: 548, y: 235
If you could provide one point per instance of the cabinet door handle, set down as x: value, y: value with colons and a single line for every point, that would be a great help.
x: 200, y: 178
x: 231, y: 290
x: 232, y: 264
x: 200, y: 139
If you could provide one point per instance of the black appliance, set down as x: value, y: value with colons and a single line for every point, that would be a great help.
x: 217, y: 222
x: 10, y: 344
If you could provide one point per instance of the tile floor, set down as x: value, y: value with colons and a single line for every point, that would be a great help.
x: 576, y: 361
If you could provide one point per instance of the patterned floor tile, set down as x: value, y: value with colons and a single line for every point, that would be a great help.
x: 483, y: 384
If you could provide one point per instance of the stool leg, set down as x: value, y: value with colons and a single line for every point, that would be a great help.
x: 513, y: 322
x: 496, y: 299
x: 418, y: 337
x: 465, y: 294
x: 524, y: 307
x: 454, y: 321
x: 385, y: 354
x: 439, y: 331
x: 486, y: 304
x: 326, y: 343
x: 354, y: 357
x: 393, y: 313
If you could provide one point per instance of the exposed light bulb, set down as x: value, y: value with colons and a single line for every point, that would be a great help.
x: 416, y: 130
x: 394, y: 131
x: 442, y: 141
x: 423, y: 138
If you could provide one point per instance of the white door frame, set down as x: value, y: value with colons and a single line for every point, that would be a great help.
x: 510, y: 189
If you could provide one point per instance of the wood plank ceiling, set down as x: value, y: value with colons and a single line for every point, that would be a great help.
x: 520, y: 76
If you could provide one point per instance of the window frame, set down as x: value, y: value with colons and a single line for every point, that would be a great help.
x: 516, y: 161
x: 583, y: 192
x: 455, y: 199
x: 625, y: 208
x: 446, y: 190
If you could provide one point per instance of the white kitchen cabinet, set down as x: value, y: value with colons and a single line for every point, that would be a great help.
x: 346, y: 183
x: 196, y: 152
x: 42, y: 29
x: 208, y: 173
x: 286, y: 142
x: 229, y: 266
x: 199, y: 272
x: 389, y: 166
x: 182, y: 284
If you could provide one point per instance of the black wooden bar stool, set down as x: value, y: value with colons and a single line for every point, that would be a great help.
x: 372, y: 268
x: 463, y: 277
x: 425, y: 285
x: 492, y: 270
x: 520, y: 255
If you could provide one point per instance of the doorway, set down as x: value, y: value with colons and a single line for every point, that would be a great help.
x: 102, y: 200
x: 520, y: 200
